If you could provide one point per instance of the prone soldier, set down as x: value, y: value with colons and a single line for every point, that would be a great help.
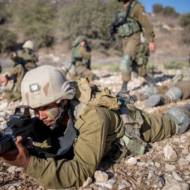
x: 86, y: 125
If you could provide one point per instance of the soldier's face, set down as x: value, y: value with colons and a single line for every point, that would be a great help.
x: 83, y: 43
x: 48, y: 114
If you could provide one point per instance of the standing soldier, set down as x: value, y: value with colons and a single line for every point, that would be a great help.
x: 129, y: 24
x: 81, y: 60
x: 24, y: 60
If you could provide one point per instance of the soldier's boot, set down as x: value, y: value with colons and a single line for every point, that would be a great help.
x: 123, y: 91
x: 181, y: 117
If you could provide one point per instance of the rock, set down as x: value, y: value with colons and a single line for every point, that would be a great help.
x: 183, y: 163
x: 169, y: 167
x: 87, y: 182
x: 157, y: 164
x: 188, y: 158
x: 12, y: 169
x: 3, y: 105
x: 108, y: 184
x: 131, y: 161
x: 100, y: 176
x: 123, y: 185
x: 177, y: 176
x: 176, y: 186
x: 169, y: 153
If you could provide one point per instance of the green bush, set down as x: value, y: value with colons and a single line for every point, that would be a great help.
x: 176, y: 65
x: 7, y: 41
x: 86, y: 17
x: 185, y: 23
x: 167, y: 11
x: 157, y: 8
x: 35, y: 20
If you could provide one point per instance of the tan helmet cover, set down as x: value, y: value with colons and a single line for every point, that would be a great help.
x: 44, y: 85
x: 28, y: 44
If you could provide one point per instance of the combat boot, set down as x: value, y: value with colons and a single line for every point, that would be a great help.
x: 123, y: 90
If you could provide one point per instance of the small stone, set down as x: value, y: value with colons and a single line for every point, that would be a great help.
x: 176, y: 186
x: 169, y: 153
x: 108, y: 184
x: 12, y: 169
x: 131, y: 161
x: 123, y: 185
x: 87, y: 182
x: 169, y: 167
x: 100, y: 176
x: 157, y: 164
x: 188, y: 158
x: 183, y: 163
x: 177, y: 176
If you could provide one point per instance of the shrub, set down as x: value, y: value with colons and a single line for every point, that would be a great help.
x: 35, y: 19
x: 157, y: 8
x: 185, y: 23
x: 86, y: 17
x: 169, y: 11
x: 8, y: 40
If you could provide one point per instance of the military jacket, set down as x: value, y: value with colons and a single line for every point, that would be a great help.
x: 140, y: 17
x: 99, y: 128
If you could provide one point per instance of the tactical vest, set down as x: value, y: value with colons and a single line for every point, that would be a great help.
x: 131, y: 25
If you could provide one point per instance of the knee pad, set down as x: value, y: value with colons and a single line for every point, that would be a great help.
x: 174, y: 93
x: 181, y: 117
x: 154, y: 100
x: 126, y: 64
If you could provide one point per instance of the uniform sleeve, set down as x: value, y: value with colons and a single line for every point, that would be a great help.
x: 15, y: 71
x: 147, y: 27
x: 88, y: 152
x: 84, y: 53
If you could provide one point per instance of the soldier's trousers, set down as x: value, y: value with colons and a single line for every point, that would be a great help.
x: 153, y: 127
x: 131, y: 46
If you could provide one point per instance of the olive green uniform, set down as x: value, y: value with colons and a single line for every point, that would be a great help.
x: 25, y: 60
x: 81, y: 58
x: 135, y: 52
x: 99, y: 128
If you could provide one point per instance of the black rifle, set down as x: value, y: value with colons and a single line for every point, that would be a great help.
x: 21, y: 124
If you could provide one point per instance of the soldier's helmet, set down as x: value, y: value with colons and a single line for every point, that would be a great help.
x: 79, y: 39
x: 45, y: 85
x: 28, y: 45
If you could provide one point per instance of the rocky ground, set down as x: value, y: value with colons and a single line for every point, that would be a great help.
x: 165, y: 166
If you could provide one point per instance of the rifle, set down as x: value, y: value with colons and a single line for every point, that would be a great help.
x: 21, y: 124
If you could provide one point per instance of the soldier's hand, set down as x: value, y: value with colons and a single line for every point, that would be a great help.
x: 3, y: 80
x: 18, y: 157
x: 152, y: 47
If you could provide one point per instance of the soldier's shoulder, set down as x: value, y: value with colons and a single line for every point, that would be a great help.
x: 137, y: 6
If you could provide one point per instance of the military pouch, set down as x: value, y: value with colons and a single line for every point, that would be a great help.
x: 142, y: 55
x: 134, y: 147
x: 133, y: 121
x: 91, y: 95
x: 129, y: 28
